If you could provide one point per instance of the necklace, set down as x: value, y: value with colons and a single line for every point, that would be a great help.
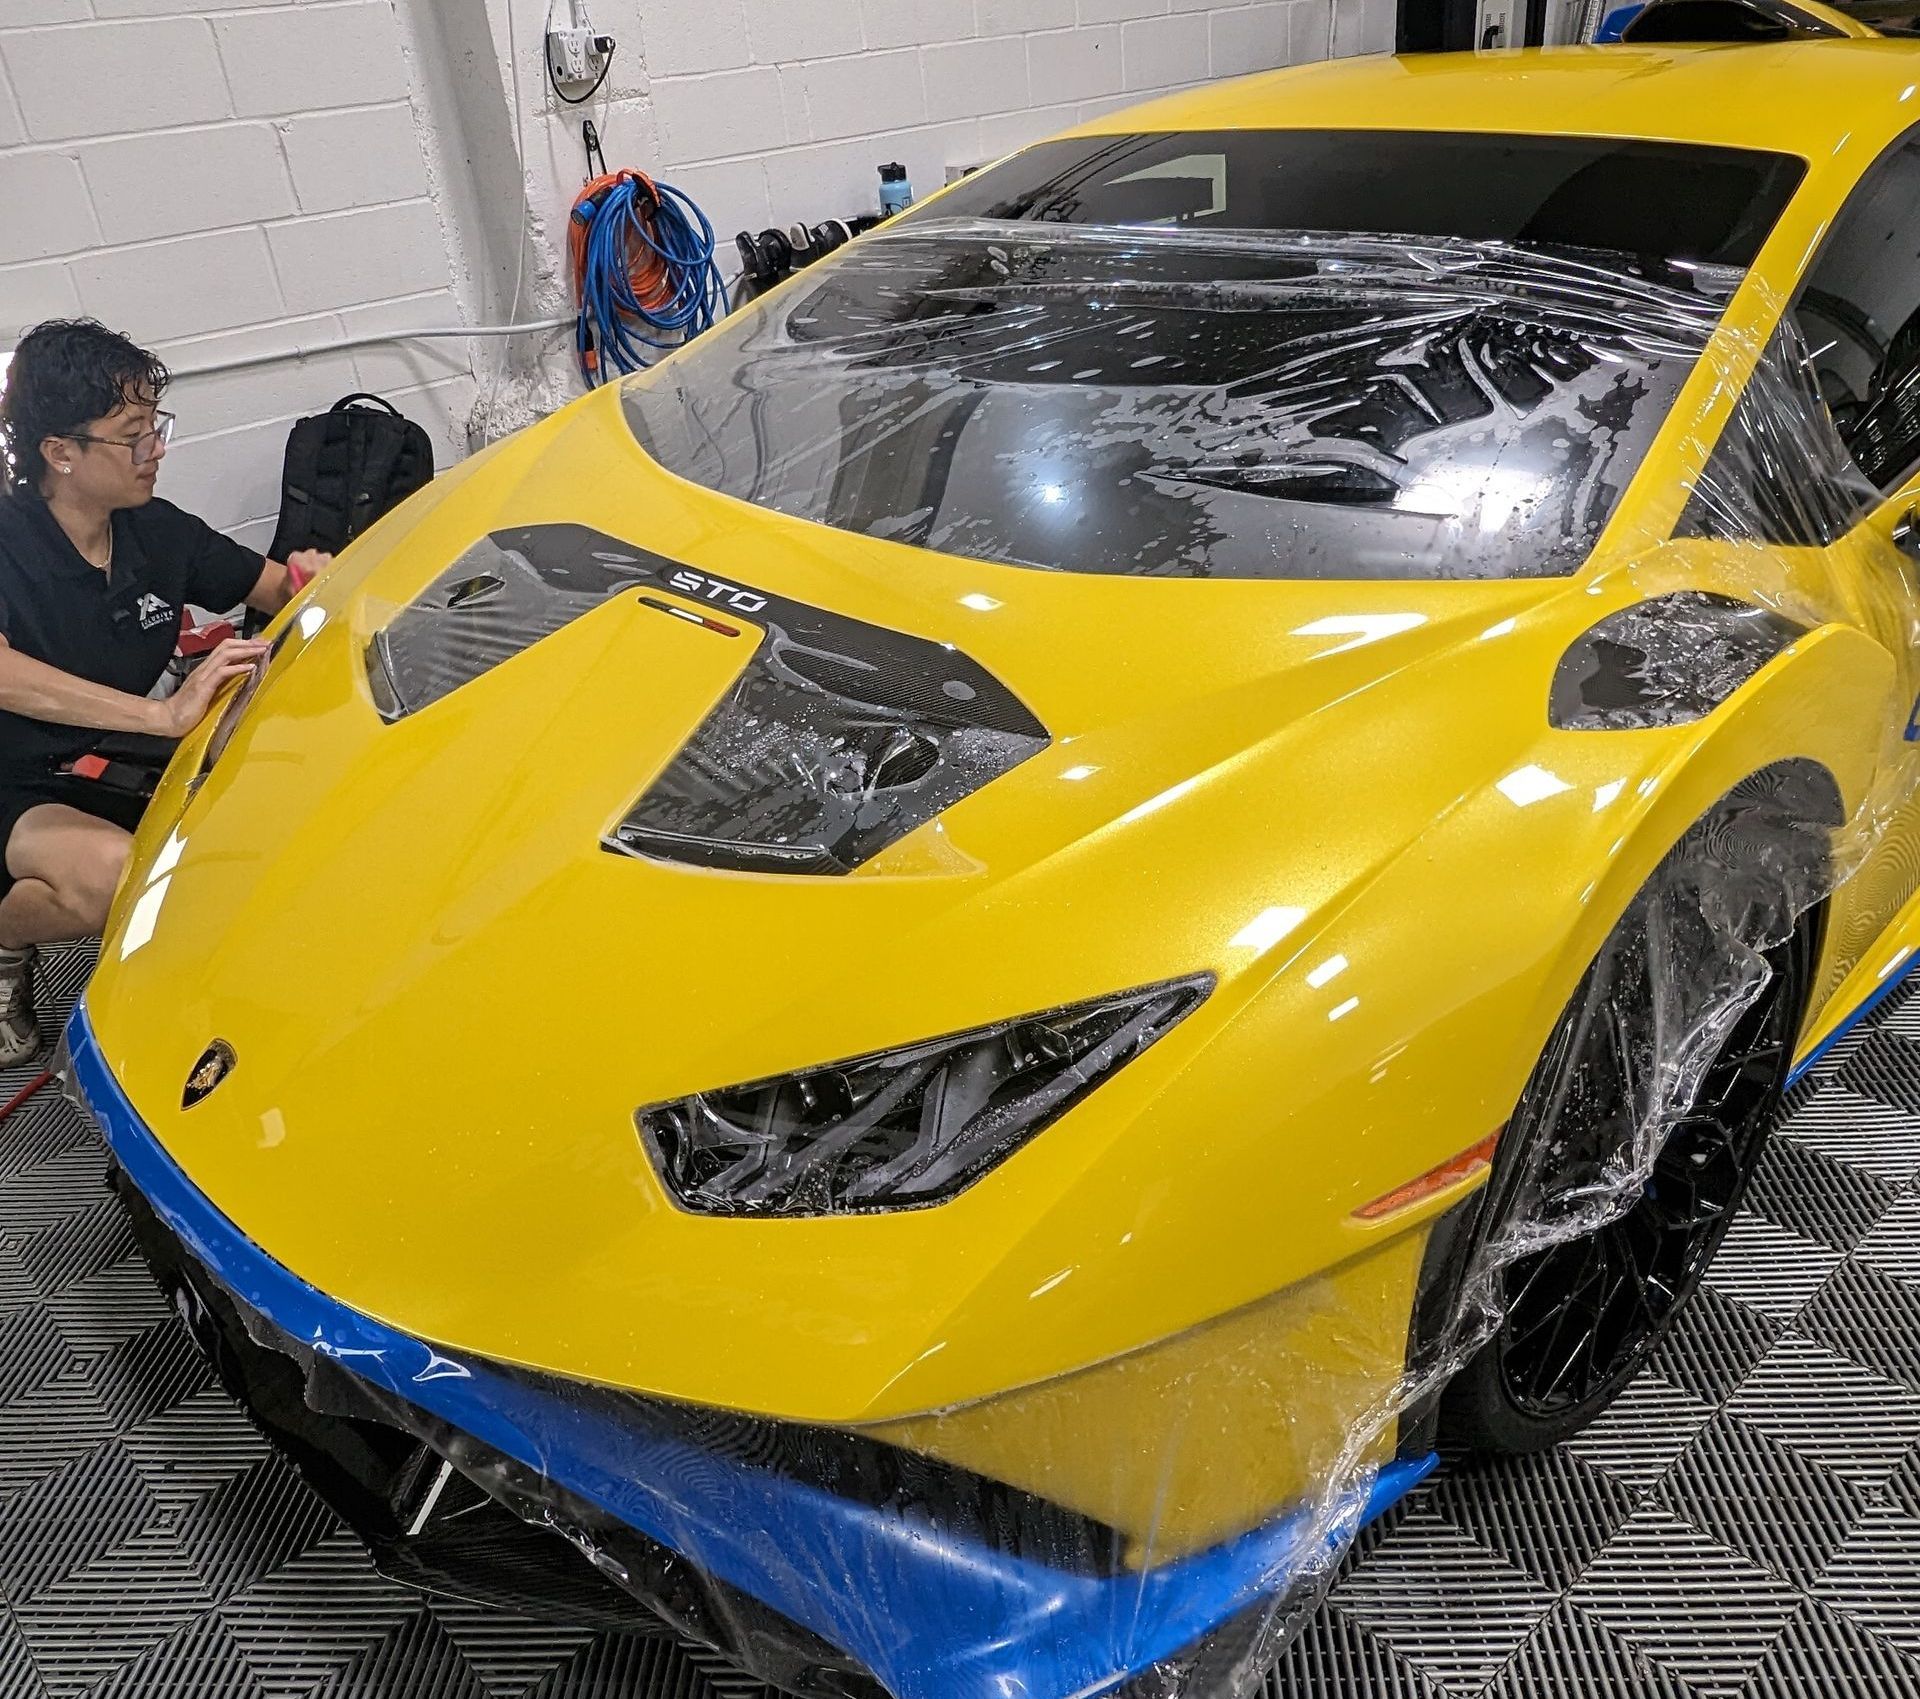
x: 102, y: 565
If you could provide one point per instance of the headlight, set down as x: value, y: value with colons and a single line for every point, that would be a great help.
x: 904, y: 1128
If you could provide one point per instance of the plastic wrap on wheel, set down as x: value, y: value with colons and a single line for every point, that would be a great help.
x: 1257, y: 406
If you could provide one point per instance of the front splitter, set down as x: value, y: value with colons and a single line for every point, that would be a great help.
x: 931, y: 1614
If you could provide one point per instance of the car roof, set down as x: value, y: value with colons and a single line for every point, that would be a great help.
x: 1817, y: 99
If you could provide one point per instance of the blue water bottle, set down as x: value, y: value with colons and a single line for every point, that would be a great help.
x: 896, y: 193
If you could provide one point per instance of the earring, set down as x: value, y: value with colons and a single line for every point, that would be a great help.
x: 64, y: 470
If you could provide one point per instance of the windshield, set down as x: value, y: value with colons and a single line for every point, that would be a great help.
x: 1156, y: 391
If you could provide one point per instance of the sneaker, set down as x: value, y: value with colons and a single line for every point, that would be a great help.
x: 19, y: 1026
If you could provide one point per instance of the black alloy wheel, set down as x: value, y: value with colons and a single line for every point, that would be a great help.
x: 1581, y: 1306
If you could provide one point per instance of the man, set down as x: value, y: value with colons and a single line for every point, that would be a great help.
x: 95, y: 573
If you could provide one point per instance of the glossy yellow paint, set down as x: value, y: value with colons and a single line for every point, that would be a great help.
x: 1186, y: 1443
x: 1343, y: 799
x: 1832, y: 102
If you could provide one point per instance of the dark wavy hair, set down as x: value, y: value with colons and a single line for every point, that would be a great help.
x: 65, y: 374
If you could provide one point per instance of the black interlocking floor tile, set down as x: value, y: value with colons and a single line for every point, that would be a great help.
x: 510, y: 1653
x: 1764, y: 1266
x: 1567, y: 1639
x: 1762, y: 1499
x: 1821, y: 1652
x: 1443, y: 1601
x: 1377, y: 1532
x: 50, y: 1192
x: 1714, y: 1345
x: 1875, y: 1577
x: 1899, y: 1013
x: 1879, y: 1138
x: 69, y: 1518
x: 95, y: 1237
x: 1639, y: 1435
x: 90, y: 1622
x: 187, y: 1451
x: 1885, y: 1067
x: 1838, y: 1055
x: 723, y: 1679
x: 1702, y: 1612
x: 1340, y: 1654
x: 249, y: 1526
x: 1893, y: 1247
x: 19, y: 1679
x: 617, y: 1666
x: 109, y: 1308
x: 1816, y: 1195
x: 415, y: 1660
x: 1830, y: 1409
x: 151, y: 1372
x: 62, y: 1419
x: 1902, y: 1487
x: 18, y: 1289
x: 311, y: 1618
x: 201, y: 1659
x: 33, y: 1136
x: 1871, y: 1318
x: 1547, y: 1515
x: 32, y: 1351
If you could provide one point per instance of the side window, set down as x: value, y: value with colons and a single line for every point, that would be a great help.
x: 1780, y: 472
x: 1859, y: 316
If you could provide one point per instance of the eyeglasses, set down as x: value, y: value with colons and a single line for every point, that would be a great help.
x: 144, y: 448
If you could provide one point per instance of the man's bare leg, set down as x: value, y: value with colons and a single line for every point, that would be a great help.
x: 66, y: 866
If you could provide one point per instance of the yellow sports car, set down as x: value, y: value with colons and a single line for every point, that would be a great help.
x: 942, y: 977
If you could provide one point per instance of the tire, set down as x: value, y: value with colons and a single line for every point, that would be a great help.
x: 1576, y: 1302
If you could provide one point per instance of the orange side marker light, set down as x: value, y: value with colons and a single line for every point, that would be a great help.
x: 1449, y: 1173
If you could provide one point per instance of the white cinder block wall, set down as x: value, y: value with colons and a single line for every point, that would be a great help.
x: 772, y: 111
x: 931, y: 83
x: 225, y: 179
x: 231, y: 178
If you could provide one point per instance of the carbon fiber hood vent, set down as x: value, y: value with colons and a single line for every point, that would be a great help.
x: 837, y: 739
x: 502, y: 596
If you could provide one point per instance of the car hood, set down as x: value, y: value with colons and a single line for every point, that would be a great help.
x: 447, y: 997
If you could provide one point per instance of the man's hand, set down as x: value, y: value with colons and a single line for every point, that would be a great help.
x: 305, y: 565
x: 281, y: 581
x: 188, y: 705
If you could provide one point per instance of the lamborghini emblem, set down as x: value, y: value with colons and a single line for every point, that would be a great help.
x: 216, y: 1062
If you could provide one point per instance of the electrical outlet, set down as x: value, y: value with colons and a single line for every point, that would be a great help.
x: 574, y: 55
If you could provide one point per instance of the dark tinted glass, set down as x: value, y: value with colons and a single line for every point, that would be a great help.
x: 1657, y: 200
x: 1860, y: 316
x: 1212, y: 394
x: 1780, y: 472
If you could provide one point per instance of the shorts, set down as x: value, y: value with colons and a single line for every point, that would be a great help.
x: 17, y: 795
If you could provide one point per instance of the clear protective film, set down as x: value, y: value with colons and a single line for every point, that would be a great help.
x: 1253, y: 406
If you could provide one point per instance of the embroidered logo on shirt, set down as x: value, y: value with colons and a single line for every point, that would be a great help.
x: 153, y: 611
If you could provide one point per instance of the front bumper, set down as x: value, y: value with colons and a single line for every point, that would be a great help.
x: 929, y: 1612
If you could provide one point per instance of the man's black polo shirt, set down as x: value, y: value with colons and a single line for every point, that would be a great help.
x: 118, y: 632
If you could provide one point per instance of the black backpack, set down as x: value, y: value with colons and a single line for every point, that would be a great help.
x: 345, y: 468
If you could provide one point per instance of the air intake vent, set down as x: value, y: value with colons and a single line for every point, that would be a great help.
x: 837, y: 740
x: 502, y: 596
